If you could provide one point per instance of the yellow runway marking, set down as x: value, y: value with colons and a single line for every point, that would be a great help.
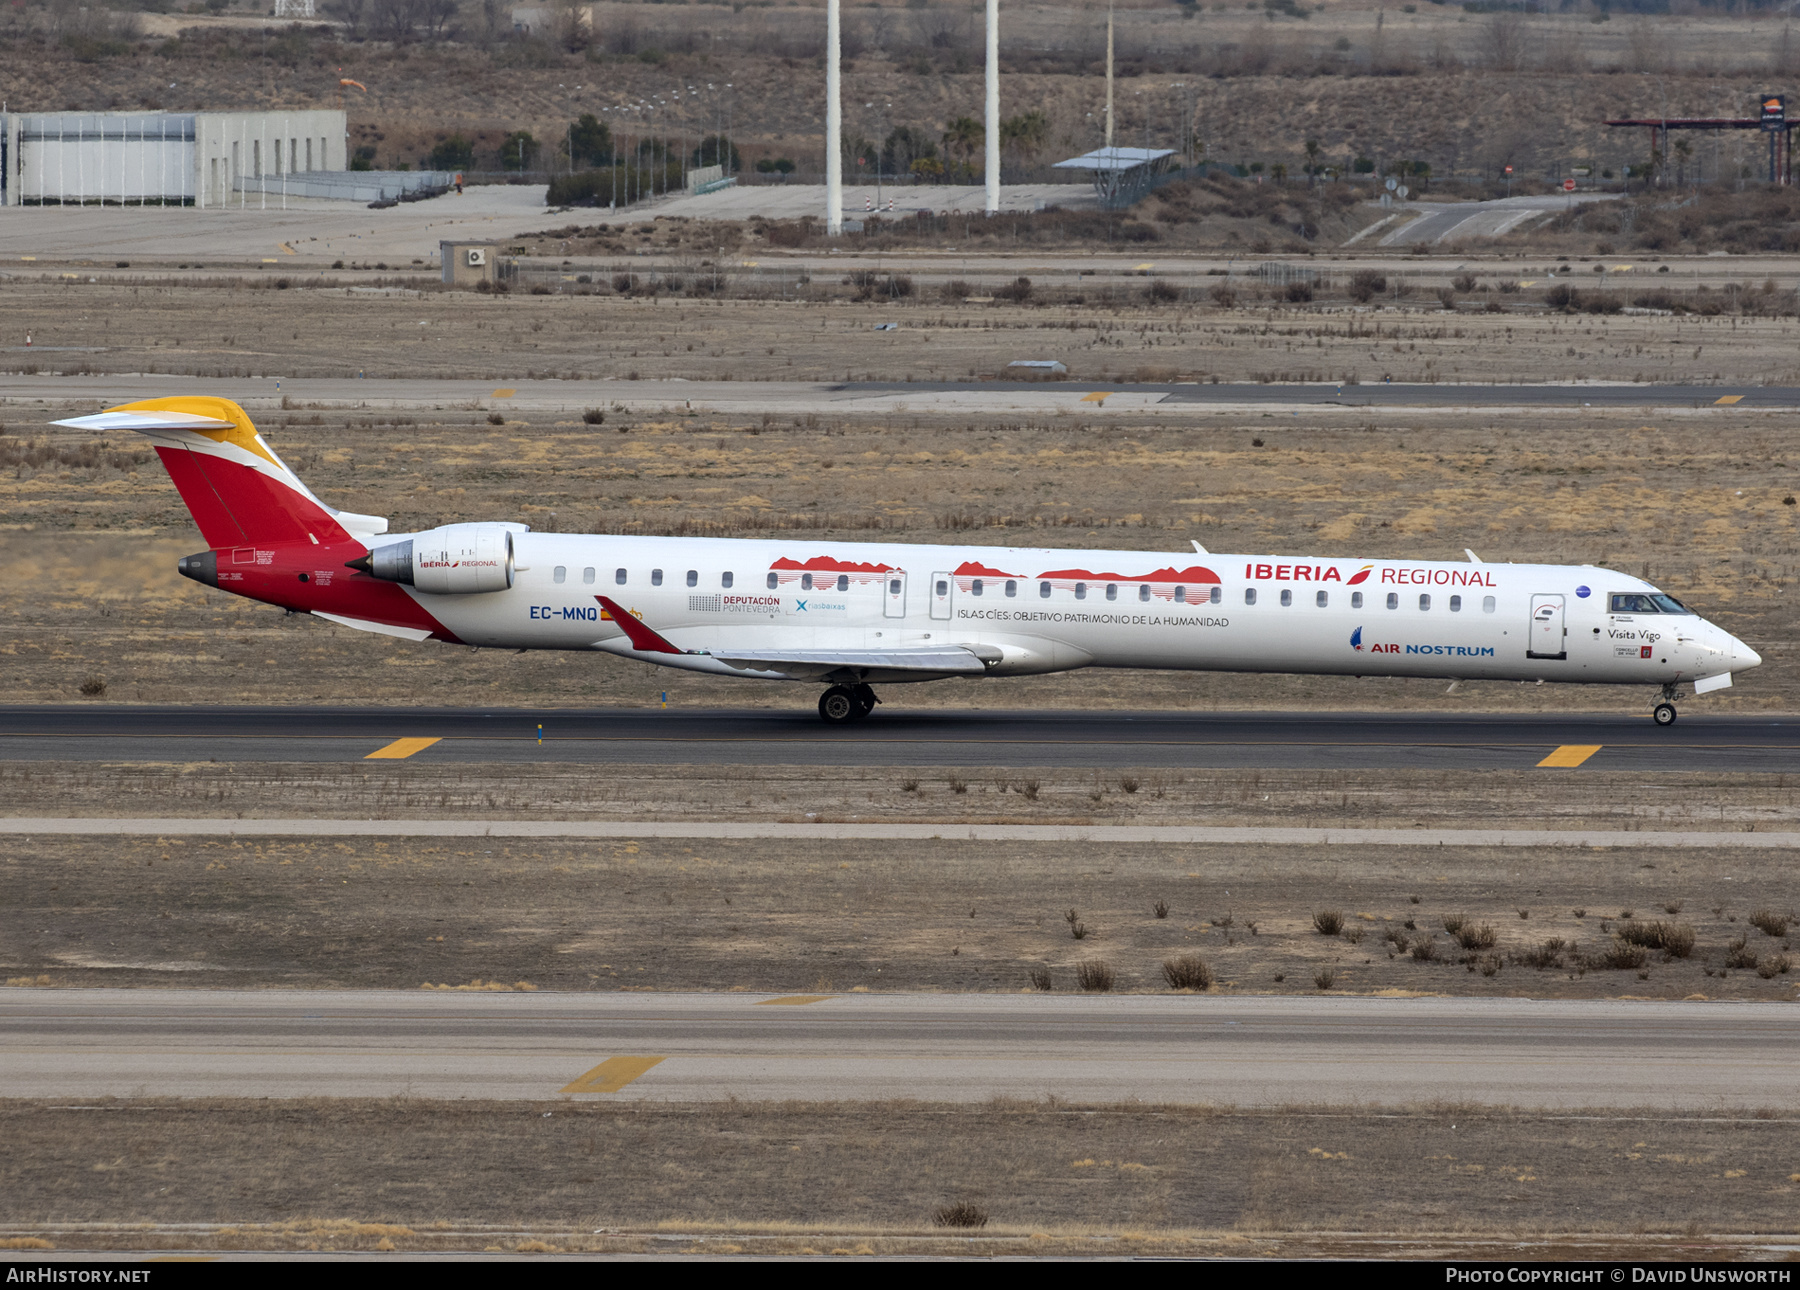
x: 1098, y: 396
x: 504, y: 393
x: 401, y: 748
x: 1570, y: 755
x: 1147, y: 264
x: 286, y: 249
x: 795, y: 999
x: 1728, y: 400
x: 611, y: 1075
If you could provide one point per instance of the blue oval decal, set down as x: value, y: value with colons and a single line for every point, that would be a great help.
x: 1583, y: 592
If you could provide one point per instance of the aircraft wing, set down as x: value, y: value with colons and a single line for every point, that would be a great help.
x: 948, y: 660
x: 937, y: 660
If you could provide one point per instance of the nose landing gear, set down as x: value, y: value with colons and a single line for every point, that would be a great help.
x: 1664, y: 713
x: 843, y: 703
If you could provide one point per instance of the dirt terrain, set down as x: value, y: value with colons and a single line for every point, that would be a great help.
x: 1049, y: 1179
x: 939, y: 915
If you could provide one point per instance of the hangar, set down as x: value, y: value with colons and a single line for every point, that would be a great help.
x: 214, y: 159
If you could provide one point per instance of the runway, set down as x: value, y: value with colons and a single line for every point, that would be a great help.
x: 82, y: 1045
x: 895, y: 736
x: 1090, y: 400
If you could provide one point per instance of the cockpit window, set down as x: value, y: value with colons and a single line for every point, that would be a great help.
x: 1639, y: 602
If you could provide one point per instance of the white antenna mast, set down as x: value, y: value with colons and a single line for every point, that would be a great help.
x: 834, y: 128
x: 992, y: 158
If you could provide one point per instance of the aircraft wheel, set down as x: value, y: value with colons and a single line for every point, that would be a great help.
x: 1664, y: 713
x: 838, y: 705
x: 865, y: 700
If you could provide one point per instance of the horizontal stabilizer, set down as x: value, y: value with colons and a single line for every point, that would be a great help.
x: 950, y: 660
x: 145, y: 421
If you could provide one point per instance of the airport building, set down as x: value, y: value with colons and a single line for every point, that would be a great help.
x: 206, y: 159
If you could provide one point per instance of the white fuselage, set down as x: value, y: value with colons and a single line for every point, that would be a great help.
x: 1047, y: 610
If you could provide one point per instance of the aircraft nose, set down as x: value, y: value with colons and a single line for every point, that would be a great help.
x: 1742, y: 656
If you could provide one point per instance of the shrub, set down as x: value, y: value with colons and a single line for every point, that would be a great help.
x: 1769, y: 922
x: 1547, y: 954
x: 93, y: 687
x: 1425, y: 950
x: 1772, y: 966
x: 1446, y: 298
x: 496, y: 419
x: 1018, y: 291
x: 1738, y: 955
x: 594, y: 417
x: 956, y: 289
x: 961, y: 1214
x: 1298, y: 293
x: 1366, y: 284
x: 1453, y: 923
x: 1477, y: 936
x: 1328, y: 922
x: 1398, y: 939
x: 1674, y: 939
x: 1077, y: 928
x: 1040, y: 979
x: 1188, y: 972
x: 1162, y: 293
x: 1619, y: 956
x: 1463, y: 282
x: 1160, y: 909
x: 1560, y: 296
x: 1223, y: 296
x: 1094, y: 975
x: 1324, y: 978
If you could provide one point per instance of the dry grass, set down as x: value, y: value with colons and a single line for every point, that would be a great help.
x: 787, y: 916
x: 346, y: 1174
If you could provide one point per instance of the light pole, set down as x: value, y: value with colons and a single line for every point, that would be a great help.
x: 991, y: 159
x: 834, y: 127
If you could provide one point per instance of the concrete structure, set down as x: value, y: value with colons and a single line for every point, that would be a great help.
x: 206, y: 159
x: 468, y: 264
x: 352, y: 185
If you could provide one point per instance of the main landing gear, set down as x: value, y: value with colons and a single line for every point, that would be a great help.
x: 1664, y: 713
x: 843, y: 703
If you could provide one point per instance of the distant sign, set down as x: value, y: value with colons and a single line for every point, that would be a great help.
x: 1568, y: 185
x: 1581, y: 172
x: 1774, y: 112
x: 1509, y: 170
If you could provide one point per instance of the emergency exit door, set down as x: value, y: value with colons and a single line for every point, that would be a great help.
x: 1549, y: 638
x: 894, y: 594
x: 940, y: 595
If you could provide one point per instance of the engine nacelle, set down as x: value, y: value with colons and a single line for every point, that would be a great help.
x: 455, y: 560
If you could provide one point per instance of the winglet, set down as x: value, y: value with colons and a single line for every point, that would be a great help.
x: 1198, y: 549
x: 641, y: 637
x: 1473, y: 558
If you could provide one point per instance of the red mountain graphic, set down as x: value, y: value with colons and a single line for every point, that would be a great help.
x: 825, y: 564
x: 1194, y: 573
x: 973, y: 569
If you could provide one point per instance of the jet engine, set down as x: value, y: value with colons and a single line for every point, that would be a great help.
x: 457, y: 559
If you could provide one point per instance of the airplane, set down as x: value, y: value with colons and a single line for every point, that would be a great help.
x: 851, y: 615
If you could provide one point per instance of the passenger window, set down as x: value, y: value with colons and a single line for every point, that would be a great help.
x: 1456, y: 604
x: 693, y: 577
x: 1487, y: 604
x: 1081, y: 591
x: 1356, y: 600
x: 1393, y: 600
x: 1249, y: 595
x: 656, y: 577
x: 1044, y: 590
x: 1143, y: 591
x: 559, y: 574
x: 725, y: 580
x: 975, y: 587
x: 587, y: 576
x: 1012, y: 588
x: 1112, y: 591
x: 806, y: 582
x: 893, y: 585
x: 1424, y: 604
x: 773, y: 581
x: 943, y: 587
x: 1215, y: 596
x: 619, y: 576
x: 1287, y: 597
x: 1322, y: 599
x: 1181, y: 595
x: 843, y: 582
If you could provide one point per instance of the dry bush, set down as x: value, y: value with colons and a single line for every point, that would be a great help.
x: 1769, y: 922
x: 1738, y: 955
x: 1489, y: 964
x: 1041, y: 980
x: 93, y: 687
x: 1077, y: 928
x: 1018, y: 291
x: 1324, y: 978
x: 1366, y: 284
x: 1162, y: 293
x: 1425, y: 950
x: 1477, y: 936
x: 593, y: 417
x: 955, y: 289
x: 1223, y: 296
x: 961, y: 1214
x: 1160, y: 909
x: 1772, y: 965
x: 1094, y: 975
x: 1299, y: 293
x: 1620, y: 956
x: 1398, y: 939
x: 1453, y: 923
x: 1328, y: 922
x: 1546, y: 954
x: 1674, y: 939
x: 1187, y: 972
